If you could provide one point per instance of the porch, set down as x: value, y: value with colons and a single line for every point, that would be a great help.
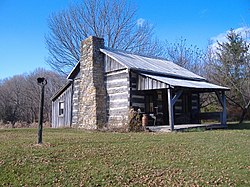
x: 174, y: 103
x: 167, y: 128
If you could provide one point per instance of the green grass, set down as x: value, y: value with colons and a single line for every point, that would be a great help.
x: 71, y: 157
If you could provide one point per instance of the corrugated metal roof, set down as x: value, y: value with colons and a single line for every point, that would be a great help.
x: 158, y: 65
x: 185, y: 83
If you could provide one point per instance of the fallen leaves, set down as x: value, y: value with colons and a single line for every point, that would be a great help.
x: 79, y: 158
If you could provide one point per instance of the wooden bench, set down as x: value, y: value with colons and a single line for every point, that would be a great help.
x: 210, y: 116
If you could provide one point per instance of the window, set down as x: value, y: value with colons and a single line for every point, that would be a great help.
x: 61, y: 108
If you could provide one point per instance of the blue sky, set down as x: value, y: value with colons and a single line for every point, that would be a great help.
x: 23, y: 24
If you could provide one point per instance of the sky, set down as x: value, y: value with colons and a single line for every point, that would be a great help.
x: 23, y: 25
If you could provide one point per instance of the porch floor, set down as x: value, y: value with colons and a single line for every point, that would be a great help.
x: 166, y: 128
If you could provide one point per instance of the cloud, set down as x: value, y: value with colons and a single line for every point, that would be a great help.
x: 222, y: 37
x: 140, y: 22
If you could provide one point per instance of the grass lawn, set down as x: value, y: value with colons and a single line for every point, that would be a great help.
x: 71, y: 157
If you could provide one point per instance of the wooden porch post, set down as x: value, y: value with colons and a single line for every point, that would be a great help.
x: 224, y: 110
x: 171, y: 101
x: 170, y: 110
x: 222, y: 99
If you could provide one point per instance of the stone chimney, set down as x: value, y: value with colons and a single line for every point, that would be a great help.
x: 92, y: 94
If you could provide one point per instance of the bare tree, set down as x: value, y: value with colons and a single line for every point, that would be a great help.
x: 189, y: 57
x: 113, y: 20
x: 12, y: 100
x: 32, y: 91
x: 19, y: 96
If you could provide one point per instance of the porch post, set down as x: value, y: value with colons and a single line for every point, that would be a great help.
x: 224, y: 110
x: 170, y: 110
x: 222, y: 99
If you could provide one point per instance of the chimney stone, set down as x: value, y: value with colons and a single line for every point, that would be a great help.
x: 92, y: 112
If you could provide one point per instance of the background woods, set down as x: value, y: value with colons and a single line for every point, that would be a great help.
x: 19, y: 96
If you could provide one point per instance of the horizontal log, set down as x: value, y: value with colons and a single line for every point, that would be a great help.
x: 117, y: 83
x: 137, y: 100
x: 117, y: 75
x: 194, y: 107
x: 178, y: 107
x: 140, y: 105
x: 134, y: 75
x: 194, y: 101
x: 121, y: 111
x: 137, y: 92
x: 138, y: 96
x: 118, y: 103
x: 122, y: 95
x: 120, y: 89
x: 133, y: 80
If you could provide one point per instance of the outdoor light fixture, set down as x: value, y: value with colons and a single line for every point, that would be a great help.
x: 41, y: 82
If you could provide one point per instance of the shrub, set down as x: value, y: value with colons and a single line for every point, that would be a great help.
x: 135, y: 122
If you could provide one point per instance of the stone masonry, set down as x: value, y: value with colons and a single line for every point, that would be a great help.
x: 92, y: 92
x: 75, y: 99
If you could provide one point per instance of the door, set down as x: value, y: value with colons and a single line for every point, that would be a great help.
x: 154, y: 106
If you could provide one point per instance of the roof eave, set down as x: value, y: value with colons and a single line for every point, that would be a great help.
x: 61, y: 90
x: 73, y: 71
x: 166, y: 74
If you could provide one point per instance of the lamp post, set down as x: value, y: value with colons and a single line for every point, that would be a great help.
x: 41, y: 82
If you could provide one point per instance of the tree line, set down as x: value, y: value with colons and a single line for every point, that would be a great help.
x: 20, y: 96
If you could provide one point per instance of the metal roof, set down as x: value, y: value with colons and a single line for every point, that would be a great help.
x: 74, y: 71
x: 158, y: 65
x: 156, y: 68
x: 161, y: 70
x: 185, y: 83
x: 60, y: 91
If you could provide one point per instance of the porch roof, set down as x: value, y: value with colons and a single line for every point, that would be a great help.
x: 186, y: 83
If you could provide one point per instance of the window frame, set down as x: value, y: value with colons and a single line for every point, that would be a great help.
x: 61, y: 107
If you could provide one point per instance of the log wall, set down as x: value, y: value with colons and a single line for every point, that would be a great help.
x: 117, y: 86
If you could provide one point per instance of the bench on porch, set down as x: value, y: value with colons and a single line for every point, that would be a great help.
x: 210, y: 116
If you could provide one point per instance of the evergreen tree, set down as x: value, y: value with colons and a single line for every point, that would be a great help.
x: 231, y: 68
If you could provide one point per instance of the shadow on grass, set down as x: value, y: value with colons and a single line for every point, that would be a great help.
x: 237, y: 126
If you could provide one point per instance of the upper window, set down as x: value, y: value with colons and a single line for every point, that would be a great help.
x: 61, y: 108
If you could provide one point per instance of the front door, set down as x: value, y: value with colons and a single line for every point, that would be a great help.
x: 154, y: 106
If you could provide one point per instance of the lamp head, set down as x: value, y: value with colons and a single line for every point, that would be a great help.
x: 41, y: 81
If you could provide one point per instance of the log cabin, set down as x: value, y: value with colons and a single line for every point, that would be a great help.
x: 106, y: 83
